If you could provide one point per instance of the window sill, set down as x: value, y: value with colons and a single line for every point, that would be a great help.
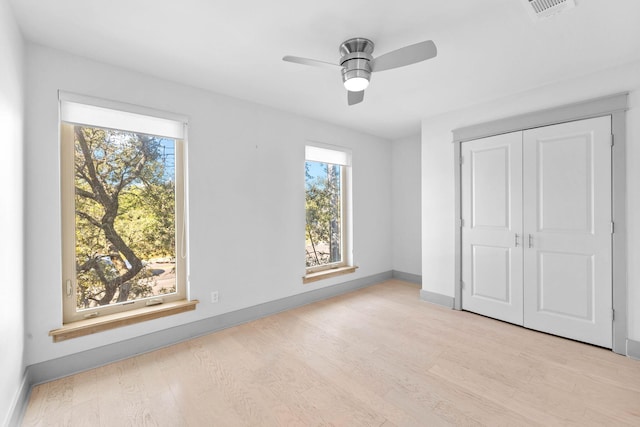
x: 117, y: 320
x: 325, y: 274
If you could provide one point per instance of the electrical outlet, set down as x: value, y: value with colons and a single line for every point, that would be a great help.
x: 214, y: 296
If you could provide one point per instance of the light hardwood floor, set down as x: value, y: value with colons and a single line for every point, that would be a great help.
x: 375, y: 357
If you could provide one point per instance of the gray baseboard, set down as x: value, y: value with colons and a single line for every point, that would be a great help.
x: 436, y: 298
x: 17, y: 410
x: 633, y: 349
x: 89, y: 359
x: 407, y: 277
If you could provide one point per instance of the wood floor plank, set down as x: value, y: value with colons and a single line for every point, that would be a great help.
x: 375, y: 357
x: 329, y: 367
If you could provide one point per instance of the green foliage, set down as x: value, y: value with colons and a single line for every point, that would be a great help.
x: 323, y: 210
x: 146, y: 219
x: 125, y: 213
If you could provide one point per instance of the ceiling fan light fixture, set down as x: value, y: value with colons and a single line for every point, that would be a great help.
x: 357, y: 64
x: 356, y: 84
x: 356, y: 73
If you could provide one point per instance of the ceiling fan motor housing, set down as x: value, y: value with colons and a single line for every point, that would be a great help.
x: 355, y: 58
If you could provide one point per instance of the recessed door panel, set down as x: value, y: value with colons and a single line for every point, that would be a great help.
x: 491, y: 273
x: 565, y: 183
x: 491, y: 235
x: 567, y: 224
x: 566, y: 285
x: 490, y: 187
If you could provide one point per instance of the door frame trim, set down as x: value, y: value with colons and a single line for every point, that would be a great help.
x: 613, y: 105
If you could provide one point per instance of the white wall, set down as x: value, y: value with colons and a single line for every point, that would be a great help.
x: 11, y: 212
x: 246, y: 185
x: 438, y: 176
x: 633, y: 210
x: 405, y: 205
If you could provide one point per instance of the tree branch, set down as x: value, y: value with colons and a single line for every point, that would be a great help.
x: 94, y: 181
x: 95, y: 265
x: 89, y: 218
x: 85, y: 193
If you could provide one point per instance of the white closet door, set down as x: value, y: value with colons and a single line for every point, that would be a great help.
x: 492, y: 221
x: 567, y: 227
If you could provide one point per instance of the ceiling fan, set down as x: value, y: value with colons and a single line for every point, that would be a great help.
x: 357, y: 64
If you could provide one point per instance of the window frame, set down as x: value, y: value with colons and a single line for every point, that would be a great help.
x: 70, y: 314
x: 345, y: 214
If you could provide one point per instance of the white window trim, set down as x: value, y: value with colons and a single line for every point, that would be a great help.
x: 70, y: 314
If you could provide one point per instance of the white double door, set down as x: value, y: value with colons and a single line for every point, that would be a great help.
x: 536, y: 235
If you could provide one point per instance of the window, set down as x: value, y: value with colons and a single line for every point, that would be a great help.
x: 327, y: 173
x: 123, y: 220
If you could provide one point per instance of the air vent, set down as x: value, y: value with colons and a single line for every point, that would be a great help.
x: 540, y: 9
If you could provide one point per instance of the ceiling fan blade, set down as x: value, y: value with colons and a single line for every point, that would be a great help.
x: 405, y: 56
x: 312, y: 62
x: 355, y: 97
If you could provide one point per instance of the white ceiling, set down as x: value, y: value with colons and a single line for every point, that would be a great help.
x: 487, y: 49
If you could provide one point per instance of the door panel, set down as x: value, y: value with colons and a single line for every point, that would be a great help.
x: 565, y: 183
x: 492, y: 216
x: 567, y: 225
x: 490, y: 187
x: 490, y: 272
x: 565, y: 284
